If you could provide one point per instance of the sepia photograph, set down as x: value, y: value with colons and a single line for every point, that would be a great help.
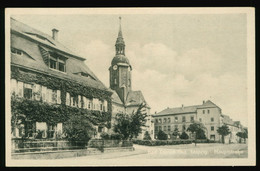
x: 130, y: 86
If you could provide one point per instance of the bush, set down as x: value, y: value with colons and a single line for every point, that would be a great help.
x: 161, y: 142
x: 116, y: 136
x: 105, y: 136
x: 162, y: 136
x: 184, y: 136
x: 147, y: 136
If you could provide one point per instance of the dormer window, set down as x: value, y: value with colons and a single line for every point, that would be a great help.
x: 16, y: 51
x: 57, y: 62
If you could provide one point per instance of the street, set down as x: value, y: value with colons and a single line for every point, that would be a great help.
x: 178, y: 151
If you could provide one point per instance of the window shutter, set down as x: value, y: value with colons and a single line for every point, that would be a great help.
x: 58, y: 97
x: 14, y: 86
x: 71, y: 101
x: 20, y: 89
x: 85, y: 102
x: 105, y: 105
x: 67, y: 98
x: 79, y: 101
x: 37, y: 91
x: 44, y: 93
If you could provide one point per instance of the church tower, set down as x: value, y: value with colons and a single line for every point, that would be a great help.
x: 120, y: 69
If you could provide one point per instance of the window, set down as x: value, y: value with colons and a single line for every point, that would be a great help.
x: 192, y: 118
x: 164, y: 120
x: 160, y: 120
x: 89, y: 104
x: 169, y: 128
x: 101, y: 107
x: 164, y: 128
x: 54, y: 96
x: 212, y: 119
x: 212, y: 128
x: 200, y: 119
x: 183, y: 128
x: 57, y: 62
x: 156, y: 128
x: 208, y: 111
x: 16, y: 51
x: 175, y: 126
x: 156, y: 120
x: 100, y: 129
x: 183, y: 119
x: 169, y: 120
x: 203, y: 111
x: 27, y: 91
x: 160, y: 128
x: 115, y: 80
x: 176, y: 119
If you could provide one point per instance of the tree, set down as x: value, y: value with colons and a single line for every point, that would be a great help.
x: 147, y: 136
x: 130, y: 126
x: 175, y: 133
x: 198, y: 129
x: 184, y: 136
x: 223, y: 131
x: 162, y: 135
x: 78, y: 129
x: 243, y: 135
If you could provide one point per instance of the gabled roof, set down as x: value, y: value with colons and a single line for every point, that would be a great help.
x: 115, y: 98
x: 135, y: 98
x: 32, y: 48
x: 186, y: 109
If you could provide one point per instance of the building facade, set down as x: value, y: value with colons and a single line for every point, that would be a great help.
x: 234, y: 128
x: 180, y: 118
x: 124, y: 99
x: 47, y: 80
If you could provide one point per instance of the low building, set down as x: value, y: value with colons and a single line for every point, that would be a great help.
x: 207, y: 113
x: 48, y: 75
x: 234, y: 127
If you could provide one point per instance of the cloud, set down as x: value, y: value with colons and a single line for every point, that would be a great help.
x: 169, y: 79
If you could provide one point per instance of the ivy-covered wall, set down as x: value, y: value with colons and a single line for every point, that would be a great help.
x: 44, y: 112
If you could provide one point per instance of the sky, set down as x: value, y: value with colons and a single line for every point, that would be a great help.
x: 176, y: 58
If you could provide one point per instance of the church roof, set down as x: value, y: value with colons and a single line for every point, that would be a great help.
x: 185, y: 109
x: 115, y: 98
x: 135, y: 98
x: 120, y: 59
x: 31, y: 45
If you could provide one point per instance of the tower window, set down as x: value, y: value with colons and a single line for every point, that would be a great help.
x: 115, y: 81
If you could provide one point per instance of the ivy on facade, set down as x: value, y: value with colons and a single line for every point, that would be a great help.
x: 45, y: 112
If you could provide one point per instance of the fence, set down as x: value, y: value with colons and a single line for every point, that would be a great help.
x: 98, y: 143
x: 34, y: 145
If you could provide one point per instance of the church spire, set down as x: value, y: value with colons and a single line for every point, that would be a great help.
x: 120, y: 44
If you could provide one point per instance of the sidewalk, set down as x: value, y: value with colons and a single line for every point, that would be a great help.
x: 115, y: 154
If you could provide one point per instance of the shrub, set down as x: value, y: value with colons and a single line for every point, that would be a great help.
x: 162, y: 136
x: 116, y: 136
x: 184, y: 136
x: 147, y: 136
x: 105, y: 136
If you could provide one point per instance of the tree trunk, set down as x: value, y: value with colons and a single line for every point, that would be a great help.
x: 223, y: 139
x: 195, y: 139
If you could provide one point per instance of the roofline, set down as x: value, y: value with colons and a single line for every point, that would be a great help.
x: 157, y: 115
x: 46, y: 73
x: 31, y: 39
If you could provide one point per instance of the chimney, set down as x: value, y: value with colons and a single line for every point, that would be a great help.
x: 155, y: 112
x: 182, y: 106
x: 55, y: 34
x: 203, y: 102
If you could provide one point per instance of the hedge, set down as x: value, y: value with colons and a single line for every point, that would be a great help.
x: 161, y: 142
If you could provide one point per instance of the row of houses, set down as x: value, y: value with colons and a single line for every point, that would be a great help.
x: 43, y: 70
